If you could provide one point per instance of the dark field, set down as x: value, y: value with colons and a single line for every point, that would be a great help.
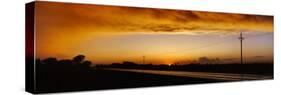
x: 78, y: 75
x: 252, y: 68
x: 106, y: 79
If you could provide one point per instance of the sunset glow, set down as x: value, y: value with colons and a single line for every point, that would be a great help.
x: 108, y: 34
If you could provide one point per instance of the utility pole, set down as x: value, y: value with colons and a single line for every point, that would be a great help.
x: 241, y: 44
x: 241, y: 48
x: 143, y: 59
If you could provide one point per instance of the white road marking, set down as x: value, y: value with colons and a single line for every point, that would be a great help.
x: 205, y: 75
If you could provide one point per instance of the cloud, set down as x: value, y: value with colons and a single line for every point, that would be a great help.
x: 61, y: 26
x: 99, y: 18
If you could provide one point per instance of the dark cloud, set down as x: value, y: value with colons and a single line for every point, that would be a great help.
x: 131, y: 19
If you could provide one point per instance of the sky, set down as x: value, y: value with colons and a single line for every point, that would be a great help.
x: 110, y: 34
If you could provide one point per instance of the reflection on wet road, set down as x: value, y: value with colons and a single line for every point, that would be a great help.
x: 205, y: 75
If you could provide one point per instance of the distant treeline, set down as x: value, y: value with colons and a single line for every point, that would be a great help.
x: 54, y: 75
x: 258, y: 68
x: 79, y: 64
x: 74, y: 74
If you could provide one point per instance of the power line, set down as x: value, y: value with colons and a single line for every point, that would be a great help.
x: 212, y: 44
x: 205, y: 46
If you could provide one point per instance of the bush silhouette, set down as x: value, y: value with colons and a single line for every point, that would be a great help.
x: 66, y: 62
x: 78, y: 59
x: 50, y: 60
x: 86, y: 63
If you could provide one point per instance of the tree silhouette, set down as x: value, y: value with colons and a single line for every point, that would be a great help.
x: 86, y: 63
x: 50, y: 60
x: 66, y: 62
x: 78, y: 59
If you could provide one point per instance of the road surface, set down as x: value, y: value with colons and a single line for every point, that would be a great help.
x: 204, y: 75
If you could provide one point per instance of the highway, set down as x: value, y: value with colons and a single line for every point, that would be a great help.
x: 204, y: 75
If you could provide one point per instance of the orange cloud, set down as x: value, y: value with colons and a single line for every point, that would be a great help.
x: 128, y: 19
x: 61, y: 27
